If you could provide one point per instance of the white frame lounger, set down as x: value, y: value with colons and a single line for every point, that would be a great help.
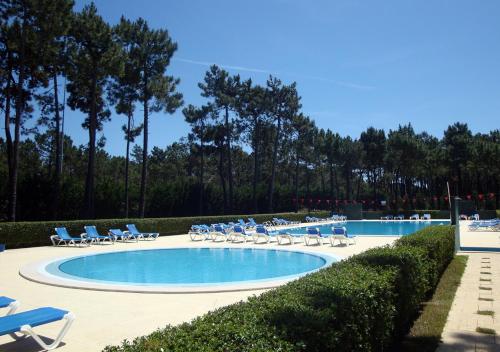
x: 27, y: 329
x: 12, y: 305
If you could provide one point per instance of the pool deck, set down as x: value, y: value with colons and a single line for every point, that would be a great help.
x: 479, y: 290
x: 104, y: 318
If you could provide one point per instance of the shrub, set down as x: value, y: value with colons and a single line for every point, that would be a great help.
x: 439, y: 245
x: 345, y: 307
x: 412, y: 282
x: 364, y: 303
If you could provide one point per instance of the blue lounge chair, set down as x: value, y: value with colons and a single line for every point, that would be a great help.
x: 426, y: 217
x: 120, y: 235
x: 144, y: 235
x: 25, y: 322
x: 263, y: 232
x: 63, y: 237
x: 493, y: 224
x: 95, y: 237
x: 12, y: 304
x: 252, y: 222
x: 242, y: 223
x: 414, y: 217
x: 313, y: 233
x: 285, y: 237
x: 340, y: 234
x: 218, y: 231
x: 198, y: 233
x: 239, y: 232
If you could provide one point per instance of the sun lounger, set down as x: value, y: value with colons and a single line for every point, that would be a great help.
x: 63, y: 237
x: 144, y: 235
x: 252, y: 222
x: 340, y: 234
x: 199, y: 232
x: 285, y: 237
x: 95, y: 237
x: 218, y: 231
x: 264, y: 232
x: 426, y: 217
x: 485, y: 225
x: 25, y: 322
x: 11, y: 304
x: 238, y: 232
x: 121, y: 235
x: 414, y: 217
x: 313, y: 233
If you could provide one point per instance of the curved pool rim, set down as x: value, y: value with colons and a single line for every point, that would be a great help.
x: 40, y: 272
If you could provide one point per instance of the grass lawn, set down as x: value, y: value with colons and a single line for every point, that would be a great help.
x: 426, y: 332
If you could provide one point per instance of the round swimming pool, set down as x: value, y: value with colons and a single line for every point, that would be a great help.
x: 181, y: 269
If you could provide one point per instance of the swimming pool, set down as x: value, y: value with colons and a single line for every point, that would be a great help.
x: 181, y: 269
x: 376, y: 228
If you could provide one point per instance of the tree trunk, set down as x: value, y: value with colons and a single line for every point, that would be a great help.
x: 297, y: 183
x: 13, y: 175
x: 273, y: 167
x: 202, y: 170
x: 127, y: 163
x: 337, y: 186
x: 89, y: 182
x: 255, y: 165
x: 348, y: 182
x: 229, y: 160
x: 331, y: 187
x: 8, y: 136
x: 58, y: 142
x: 144, y: 172
x: 360, y: 176
x: 222, y: 180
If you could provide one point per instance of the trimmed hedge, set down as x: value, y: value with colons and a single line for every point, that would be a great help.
x: 439, y: 248
x: 33, y: 234
x: 354, y: 305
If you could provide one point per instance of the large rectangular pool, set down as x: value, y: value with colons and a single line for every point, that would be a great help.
x: 375, y: 228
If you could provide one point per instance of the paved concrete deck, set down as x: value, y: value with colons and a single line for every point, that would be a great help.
x: 104, y: 318
x: 479, y: 291
x: 478, y: 239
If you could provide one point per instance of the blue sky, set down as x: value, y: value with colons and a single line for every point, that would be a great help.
x: 356, y: 63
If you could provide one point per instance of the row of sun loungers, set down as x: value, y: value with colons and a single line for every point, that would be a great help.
x: 402, y: 217
x: 92, y: 236
x: 24, y: 322
x: 485, y: 225
x: 238, y: 233
x: 334, y: 217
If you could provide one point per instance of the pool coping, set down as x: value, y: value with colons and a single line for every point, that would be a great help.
x: 37, y: 272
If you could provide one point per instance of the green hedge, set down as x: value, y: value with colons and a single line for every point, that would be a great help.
x: 32, y: 234
x: 439, y: 248
x: 355, y: 305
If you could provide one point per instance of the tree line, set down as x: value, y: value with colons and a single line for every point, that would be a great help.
x: 251, y: 147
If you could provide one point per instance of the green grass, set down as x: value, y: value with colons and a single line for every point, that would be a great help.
x: 425, y: 333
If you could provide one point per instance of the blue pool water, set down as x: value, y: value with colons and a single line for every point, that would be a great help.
x: 189, y: 265
x: 377, y: 228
